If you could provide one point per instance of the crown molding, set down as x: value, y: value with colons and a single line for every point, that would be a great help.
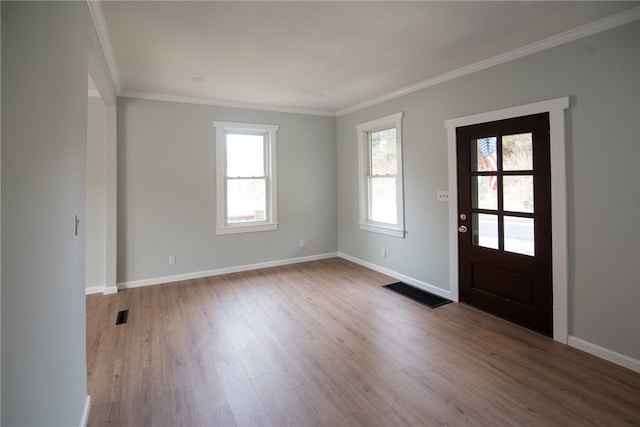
x: 586, y: 30
x: 103, y: 36
x: 221, y: 103
x: 548, y: 43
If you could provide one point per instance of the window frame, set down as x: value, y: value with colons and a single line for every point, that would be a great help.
x: 271, y: 212
x: 364, y: 165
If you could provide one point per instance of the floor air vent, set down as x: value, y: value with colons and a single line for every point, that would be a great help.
x: 122, y: 317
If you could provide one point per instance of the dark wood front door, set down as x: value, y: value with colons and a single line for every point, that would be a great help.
x: 504, y: 219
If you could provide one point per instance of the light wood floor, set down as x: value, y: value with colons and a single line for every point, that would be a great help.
x: 321, y: 343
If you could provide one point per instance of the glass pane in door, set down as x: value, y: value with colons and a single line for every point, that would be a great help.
x: 484, y: 155
x: 485, y: 230
x: 518, y: 193
x: 517, y: 152
x: 484, y: 192
x: 519, y: 236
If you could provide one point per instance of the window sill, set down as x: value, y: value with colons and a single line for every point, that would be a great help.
x: 235, y: 229
x: 389, y: 231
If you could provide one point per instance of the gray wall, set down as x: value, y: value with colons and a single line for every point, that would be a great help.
x: 166, y: 190
x: 601, y: 73
x: 0, y: 213
x: 44, y: 112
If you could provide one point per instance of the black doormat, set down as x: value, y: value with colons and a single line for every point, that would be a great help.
x: 418, y: 295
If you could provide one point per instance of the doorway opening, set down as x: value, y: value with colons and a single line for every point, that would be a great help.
x: 101, y: 182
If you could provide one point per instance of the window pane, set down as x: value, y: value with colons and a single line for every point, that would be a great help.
x: 517, y: 152
x: 382, y: 203
x: 518, y: 235
x: 518, y: 193
x: 485, y: 230
x: 384, y: 152
x: 245, y: 155
x: 484, y: 192
x: 246, y: 200
x: 483, y: 154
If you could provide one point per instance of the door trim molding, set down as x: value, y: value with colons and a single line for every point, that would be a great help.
x: 555, y: 108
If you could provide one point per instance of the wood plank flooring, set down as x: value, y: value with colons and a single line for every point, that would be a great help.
x: 321, y: 343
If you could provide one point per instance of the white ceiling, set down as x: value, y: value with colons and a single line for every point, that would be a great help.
x: 322, y: 56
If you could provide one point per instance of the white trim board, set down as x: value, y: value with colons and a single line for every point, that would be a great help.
x: 84, y: 419
x: 248, y: 267
x: 102, y: 289
x: 108, y: 290
x: 399, y: 276
x: 555, y: 108
x: 90, y: 290
x: 605, y: 353
x: 105, y: 41
x: 225, y: 270
x: 222, y: 103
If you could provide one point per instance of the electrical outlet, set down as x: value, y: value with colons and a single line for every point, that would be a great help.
x: 383, y: 253
x: 443, y: 196
x: 172, y: 259
x: 301, y: 243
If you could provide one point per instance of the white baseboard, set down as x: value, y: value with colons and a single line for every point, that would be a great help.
x: 106, y: 290
x: 85, y: 412
x: 399, y: 276
x: 94, y: 290
x: 605, y: 353
x: 219, y: 271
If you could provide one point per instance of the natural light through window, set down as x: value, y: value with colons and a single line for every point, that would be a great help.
x: 380, y: 167
x: 382, y: 176
x: 245, y: 177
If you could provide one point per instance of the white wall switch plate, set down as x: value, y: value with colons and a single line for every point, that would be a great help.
x: 443, y: 196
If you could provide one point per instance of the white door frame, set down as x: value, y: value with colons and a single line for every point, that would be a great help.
x: 555, y: 108
x: 105, y: 92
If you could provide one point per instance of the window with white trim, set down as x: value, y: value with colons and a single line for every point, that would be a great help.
x: 245, y: 177
x: 380, y: 175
